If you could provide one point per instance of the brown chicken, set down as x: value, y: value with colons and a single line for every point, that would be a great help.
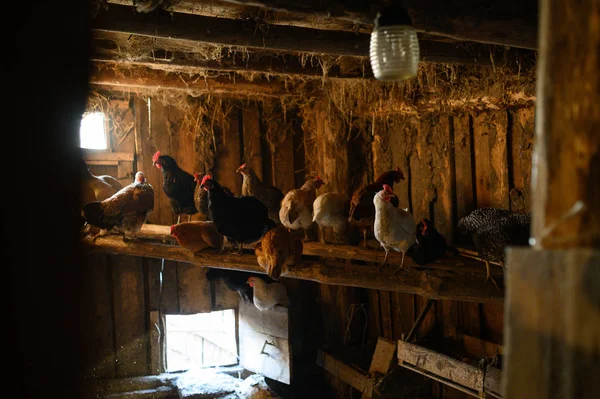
x: 297, y: 206
x: 126, y: 210
x: 362, y: 209
x: 197, y: 235
x: 254, y: 187
x: 277, y: 251
x: 330, y: 210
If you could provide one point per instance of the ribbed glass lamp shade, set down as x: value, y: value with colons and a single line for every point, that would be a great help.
x: 394, y: 52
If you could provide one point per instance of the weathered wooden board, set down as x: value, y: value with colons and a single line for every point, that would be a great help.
x: 142, y: 120
x: 265, y: 351
x: 229, y: 155
x: 154, y: 342
x: 98, y: 318
x: 224, y: 297
x: 553, y: 319
x: 131, y: 341
x: 170, y: 288
x: 403, y: 310
x: 382, y: 358
x: 386, y: 314
x: 470, y: 318
x: 284, y: 164
x: 251, y: 136
x: 351, y: 375
x: 374, y: 324
x: 193, y: 289
x: 521, y: 140
x: 441, y: 365
x: 491, y: 159
x: 448, y: 315
x: 401, y: 135
x: 463, y: 166
x: 429, y: 321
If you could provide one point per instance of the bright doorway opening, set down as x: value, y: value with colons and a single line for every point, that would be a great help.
x: 201, y: 340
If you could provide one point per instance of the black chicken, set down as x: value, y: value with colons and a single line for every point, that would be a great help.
x: 492, y: 230
x: 236, y: 280
x: 430, y: 245
x: 178, y: 185
x: 241, y: 219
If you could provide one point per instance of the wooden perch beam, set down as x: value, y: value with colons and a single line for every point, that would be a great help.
x: 511, y: 23
x: 238, y: 34
x: 454, y: 278
x: 140, y: 77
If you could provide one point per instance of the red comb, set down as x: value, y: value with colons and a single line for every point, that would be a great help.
x: 196, y: 176
x: 155, y: 157
x: 318, y: 178
x: 242, y: 165
x: 204, y: 179
x: 424, y: 226
x: 388, y: 188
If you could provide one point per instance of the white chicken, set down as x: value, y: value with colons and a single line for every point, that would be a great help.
x: 266, y: 296
x: 395, y: 228
x: 330, y: 210
x: 296, y: 210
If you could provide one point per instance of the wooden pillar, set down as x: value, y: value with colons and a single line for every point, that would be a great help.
x: 552, y: 318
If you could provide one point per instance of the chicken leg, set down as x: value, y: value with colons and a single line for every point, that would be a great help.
x: 489, y: 275
x: 401, y: 265
x: 178, y: 218
x: 387, y: 251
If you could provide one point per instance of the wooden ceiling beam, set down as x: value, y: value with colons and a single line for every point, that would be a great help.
x: 236, y: 34
x: 144, y: 78
x: 173, y: 55
x: 511, y: 23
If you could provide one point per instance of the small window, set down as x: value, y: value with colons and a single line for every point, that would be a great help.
x: 91, y: 131
x: 201, y: 340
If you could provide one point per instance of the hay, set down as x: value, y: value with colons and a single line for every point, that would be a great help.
x: 101, y: 101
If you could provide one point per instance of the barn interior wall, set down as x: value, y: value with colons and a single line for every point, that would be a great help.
x: 453, y: 163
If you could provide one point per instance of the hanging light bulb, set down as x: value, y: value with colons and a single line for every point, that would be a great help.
x: 394, y: 49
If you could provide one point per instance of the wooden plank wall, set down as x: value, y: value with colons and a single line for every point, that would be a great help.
x: 452, y: 164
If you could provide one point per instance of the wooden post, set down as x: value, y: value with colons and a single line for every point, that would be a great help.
x: 552, y: 324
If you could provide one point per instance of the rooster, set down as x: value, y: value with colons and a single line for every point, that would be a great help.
x: 297, y: 206
x: 197, y: 235
x: 241, y: 219
x: 126, y: 210
x: 252, y: 186
x: 201, y: 197
x: 362, y: 211
x: 178, y: 185
x: 331, y: 210
x: 394, y: 228
x: 492, y: 230
x: 266, y: 296
x: 429, y: 244
x: 277, y: 251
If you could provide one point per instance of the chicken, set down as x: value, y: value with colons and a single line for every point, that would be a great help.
x: 237, y: 281
x: 241, y: 219
x: 429, y: 244
x: 201, y: 197
x: 331, y: 210
x: 126, y: 210
x: 197, y: 235
x: 178, y: 185
x: 395, y: 228
x: 269, y: 195
x: 277, y: 251
x: 297, y: 206
x: 492, y: 230
x: 97, y: 188
x: 266, y: 296
x: 362, y: 211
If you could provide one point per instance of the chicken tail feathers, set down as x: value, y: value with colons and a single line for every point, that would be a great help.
x: 94, y: 214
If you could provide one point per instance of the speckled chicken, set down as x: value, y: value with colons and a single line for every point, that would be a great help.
x: 492, y: 230
x: 266, y: 296
x: 394, y: 228
x: 269, y: 195
x: 362, y: 210
x: 277, y: 251
x: 126, y: 210
x: 331, y: 210
x: 197, y: 235
x: 297, y: 206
